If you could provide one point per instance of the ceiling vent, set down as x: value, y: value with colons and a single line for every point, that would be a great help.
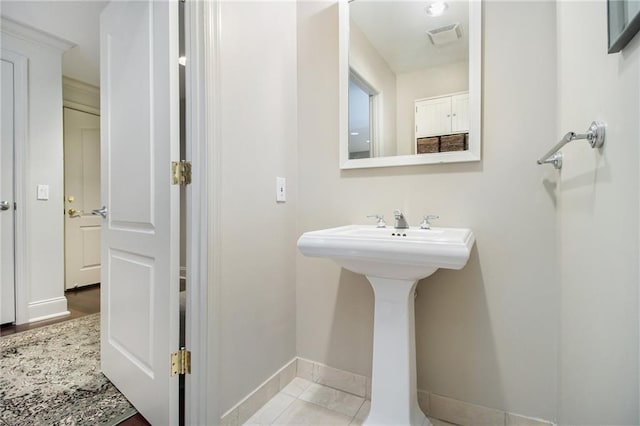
x: 444, y: 35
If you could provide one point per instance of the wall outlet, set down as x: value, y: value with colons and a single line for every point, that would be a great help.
x: 281, y: 190
x: 43, y: 192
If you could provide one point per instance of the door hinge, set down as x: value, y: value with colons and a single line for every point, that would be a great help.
x: 181, y: 172
x: 181, y: 362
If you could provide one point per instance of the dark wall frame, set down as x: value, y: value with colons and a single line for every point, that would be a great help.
x: 621, y: 28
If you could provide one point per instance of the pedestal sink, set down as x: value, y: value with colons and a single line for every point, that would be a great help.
x: 393, y: 261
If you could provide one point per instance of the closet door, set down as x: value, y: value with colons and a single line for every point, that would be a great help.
x: 140, y: 233
x: 7, y: 215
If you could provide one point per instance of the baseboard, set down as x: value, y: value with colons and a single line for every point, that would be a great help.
x: 434, y: 405
x: 246, y: 408
x: 338, y: 379
x: 47, y: 309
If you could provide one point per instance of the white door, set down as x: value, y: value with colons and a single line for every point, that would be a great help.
x: 82, y: 195
x: 139, y: 126
x: 7, y: 217
x: 460, y: 113
x: 433, y: 117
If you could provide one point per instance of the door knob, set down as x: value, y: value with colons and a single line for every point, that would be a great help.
x: 73, y: 213
x: 5, y: 205
x: 102, y: 212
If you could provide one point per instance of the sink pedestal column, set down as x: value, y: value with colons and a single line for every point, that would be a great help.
x: 394, y: 393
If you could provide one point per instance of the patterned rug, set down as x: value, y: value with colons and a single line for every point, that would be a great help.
x: 51, y: 376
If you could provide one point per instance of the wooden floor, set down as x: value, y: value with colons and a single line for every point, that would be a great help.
x: 136, y: 420
x: 80, y: 302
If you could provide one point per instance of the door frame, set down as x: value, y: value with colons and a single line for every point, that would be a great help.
x: 74, y: 89
x: 203, y: 257
x: 20, y: 157
x: 77, y: 107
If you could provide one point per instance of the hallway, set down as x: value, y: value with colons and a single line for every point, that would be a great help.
x: 81, y: 302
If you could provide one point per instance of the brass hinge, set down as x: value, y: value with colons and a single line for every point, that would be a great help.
x: 181, y: 362
x: 181, y: 172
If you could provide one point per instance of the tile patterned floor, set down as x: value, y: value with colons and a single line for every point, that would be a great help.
x: 303, y: 402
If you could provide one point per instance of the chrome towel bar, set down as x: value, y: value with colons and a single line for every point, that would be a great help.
x: 594, y: 135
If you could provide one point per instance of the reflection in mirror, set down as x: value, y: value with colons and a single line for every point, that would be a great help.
x: 413, y: 72
x: 362, y: 118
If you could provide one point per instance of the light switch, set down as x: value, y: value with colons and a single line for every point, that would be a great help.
x: 43, y: 192
x: 281, y: 189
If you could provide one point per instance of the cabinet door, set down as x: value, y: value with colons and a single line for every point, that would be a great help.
x: 433, y: 117
x: 460, y: 113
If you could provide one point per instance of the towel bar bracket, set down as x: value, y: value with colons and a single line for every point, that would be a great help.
x: 555, y: 159
x: 594, y: 135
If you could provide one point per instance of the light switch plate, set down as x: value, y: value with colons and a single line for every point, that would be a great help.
x: 281, y: 189
x: 43, y: 192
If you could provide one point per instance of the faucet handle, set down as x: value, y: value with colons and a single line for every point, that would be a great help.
x: 381, y: 223
x: 425, y: 221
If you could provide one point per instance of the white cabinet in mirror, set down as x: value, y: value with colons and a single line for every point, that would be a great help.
x: 410, y: 83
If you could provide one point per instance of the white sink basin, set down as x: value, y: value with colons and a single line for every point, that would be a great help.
x: 393, y: 261
x: 412, y: 253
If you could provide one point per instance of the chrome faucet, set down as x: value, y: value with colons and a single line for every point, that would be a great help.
x: 381, y: 223
x: 401, y: 221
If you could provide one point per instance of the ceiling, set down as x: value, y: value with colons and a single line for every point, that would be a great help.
x: 397, y: 29
x: 75, y: 21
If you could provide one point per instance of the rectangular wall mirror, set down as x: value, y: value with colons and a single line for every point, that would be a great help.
x: 410, y: 82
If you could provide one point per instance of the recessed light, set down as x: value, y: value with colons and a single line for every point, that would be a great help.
x: 436, y: 8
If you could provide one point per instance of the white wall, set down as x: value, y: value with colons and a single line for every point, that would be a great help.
x: 44, y: 242
x: 487, y: 334
x: 424, y: 83
x: 372, y: 67
x: 598, y: 221
x: 258, y: 136
x: 77, y: 21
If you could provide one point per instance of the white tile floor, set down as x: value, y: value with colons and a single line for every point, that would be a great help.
x: 303, y: 402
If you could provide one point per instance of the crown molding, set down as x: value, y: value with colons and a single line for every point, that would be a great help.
x: 29, y: 33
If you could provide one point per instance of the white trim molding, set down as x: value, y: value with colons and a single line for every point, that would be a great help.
x: 435, y: 406
x: 31, y: 34
x: 80, y: 96
x: 202, y: 97
x: 211, y: 254
x: 47, y: 309
x: 21, y: 157
x: 248, y: 406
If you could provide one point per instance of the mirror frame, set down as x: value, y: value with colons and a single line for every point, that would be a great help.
x: 475, y: 100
